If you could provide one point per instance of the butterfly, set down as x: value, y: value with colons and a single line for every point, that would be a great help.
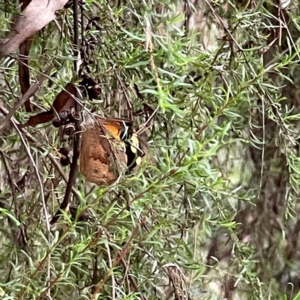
x: 120, y: 129
x: 109, y: 148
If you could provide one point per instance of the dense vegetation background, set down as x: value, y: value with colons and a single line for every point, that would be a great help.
x: 213, y: 212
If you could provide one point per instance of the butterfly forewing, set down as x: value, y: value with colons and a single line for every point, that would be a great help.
x: 118, y: 128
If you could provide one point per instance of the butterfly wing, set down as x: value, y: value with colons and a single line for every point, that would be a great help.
x: 120, y: 129
x: 101, y: 160
x: 109, y: 147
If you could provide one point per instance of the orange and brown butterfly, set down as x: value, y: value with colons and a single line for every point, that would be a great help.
x: 120, y: 129
x: 109, y: 147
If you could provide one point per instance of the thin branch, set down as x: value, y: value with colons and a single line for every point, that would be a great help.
x: 10, y: 181
x: 37, y: 175
x: 76, y: 137
x: 72, y: 177
x: 31, y: 91
x: 44, y: 150
x: 116, y: 261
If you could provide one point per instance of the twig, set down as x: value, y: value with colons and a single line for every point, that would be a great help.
x: 115, y: 263
x: 10, y: 181
x: 76, y: 36
x: 76, y: 137
x: 131, y: 279
x: 42, y: 194
x: 72, y: 174
x: 41, y: 148
x: 110, y: 265
x: 31, y: 91
x: 37, y: 175
x: 13, y: 191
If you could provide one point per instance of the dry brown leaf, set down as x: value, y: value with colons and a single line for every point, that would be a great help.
x: 34, y: 17
x: 63, y: 101
x: 24, y: 74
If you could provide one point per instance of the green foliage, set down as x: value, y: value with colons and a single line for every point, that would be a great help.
x: 212, y: 213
